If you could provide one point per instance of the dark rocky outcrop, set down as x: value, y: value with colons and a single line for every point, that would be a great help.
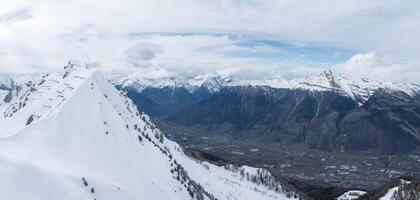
x: 8, y: 98
x: 408, y: 189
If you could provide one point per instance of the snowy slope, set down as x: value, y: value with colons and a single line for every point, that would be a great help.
x: 359, y: 90
x: 212, y: 82
x: 404, y: 190
x: 389, y: 195
x: 77, y: 137
x: 351, y: 195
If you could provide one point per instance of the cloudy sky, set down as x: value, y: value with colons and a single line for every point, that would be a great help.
x: 247, y: 38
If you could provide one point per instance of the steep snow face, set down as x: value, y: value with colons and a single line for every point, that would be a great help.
x: 38, y: 99
x: 359, y: 90
x: 213, y: 83
x: 77, y: 137
x: 389, y: 195
x: 332, y: 81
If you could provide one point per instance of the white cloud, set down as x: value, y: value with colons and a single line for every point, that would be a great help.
x: 44, y: 34
x: 15, y: 15
x: 141, y: 54
x: 370, y: 65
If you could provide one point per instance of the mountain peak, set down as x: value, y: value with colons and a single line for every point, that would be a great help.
x: 77, y: 137
x: 357, y: 89
x: 212, y: 82
x: 328, y: 80
x: 139, y: 83
x: 41, y: 97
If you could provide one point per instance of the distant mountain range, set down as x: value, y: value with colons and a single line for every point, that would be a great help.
x: 325, y: 111
x: 74, y: 133
x: 329, y: 80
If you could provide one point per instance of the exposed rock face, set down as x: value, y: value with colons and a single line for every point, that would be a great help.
x: 388, y: 122
x: 165, y: 101
x: 280, y: 115
x: 325, y: 111
x: 397, y: 116
x: 8, y: 97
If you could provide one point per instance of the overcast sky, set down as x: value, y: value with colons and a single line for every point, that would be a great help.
x: 249, y: 38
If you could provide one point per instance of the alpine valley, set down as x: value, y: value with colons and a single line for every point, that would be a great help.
x: 81, y: 134
x: 324, y: 133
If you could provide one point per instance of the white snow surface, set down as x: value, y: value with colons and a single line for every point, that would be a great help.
x: 211, y: 82
x: 140, y: 83
x: 389, y: 194
x: 351, y: 194
x: 392, y: 192
x: 83, y: 128
x: 359, y: 90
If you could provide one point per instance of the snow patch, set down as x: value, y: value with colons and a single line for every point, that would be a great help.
x: 351, y: 194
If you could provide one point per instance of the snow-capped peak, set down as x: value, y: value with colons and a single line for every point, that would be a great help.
x: 72, y: 135
x: 358, y: 89
x: 209, y: 81
x: 329, y: 80
x: 161, y: 82
x: 212, y: 82
x: 40, y: 98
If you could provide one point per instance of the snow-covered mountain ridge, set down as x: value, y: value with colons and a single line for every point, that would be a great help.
x: 329, y: 80
x: 72, y: 135
x: 358, y: 89
x: 211, y: 82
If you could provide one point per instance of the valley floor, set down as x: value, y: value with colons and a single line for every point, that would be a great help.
x: 309, y: 169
